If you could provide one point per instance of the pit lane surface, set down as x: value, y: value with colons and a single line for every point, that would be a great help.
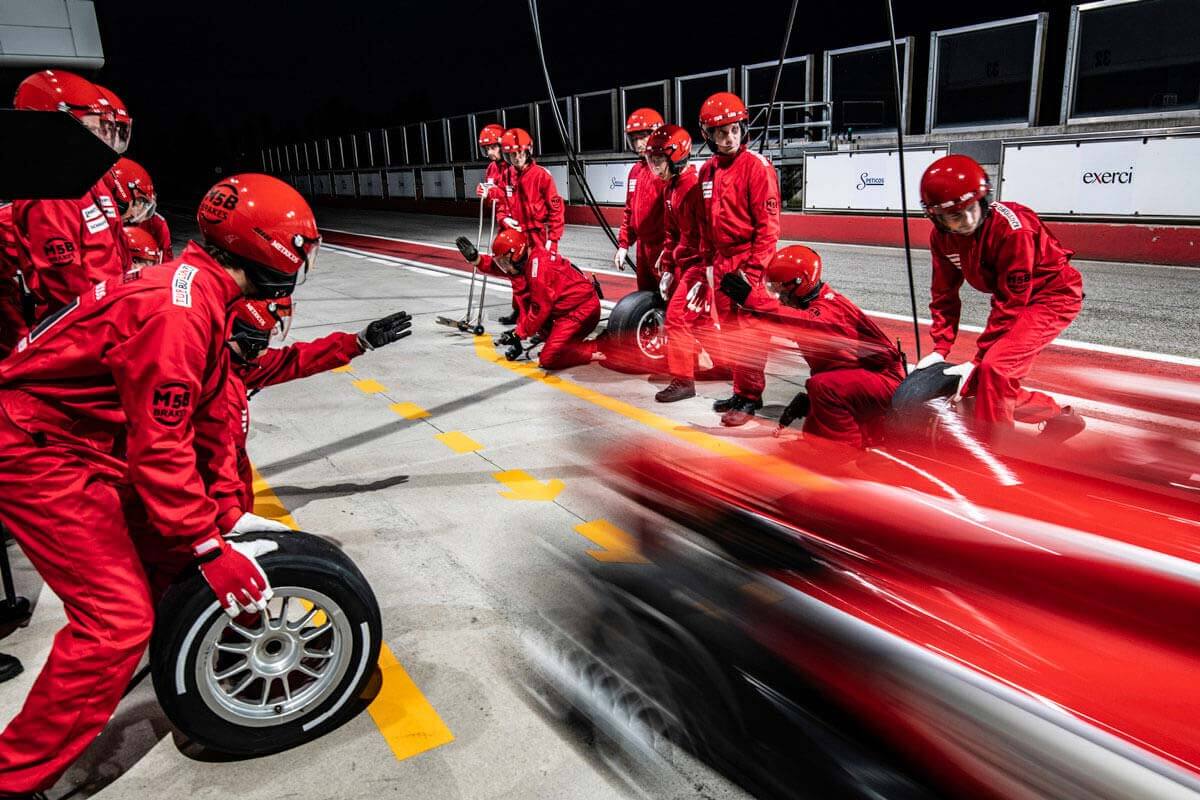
x: 457, y: 483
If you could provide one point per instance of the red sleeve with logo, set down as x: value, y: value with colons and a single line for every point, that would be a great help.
x: 553, y: 206
x: 945, y: 306
x: 628, y: 233
x: 49, y: 233
x: 159, y: 373
x: 763, y: 191
x: 302, y: 359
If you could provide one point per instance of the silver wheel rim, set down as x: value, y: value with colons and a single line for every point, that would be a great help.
x: 651, y: 335
x: 279, y: 669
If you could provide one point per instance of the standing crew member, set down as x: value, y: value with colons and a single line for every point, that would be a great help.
x: 257, y: 366
x: 562, y: 309
x: 740, y: 232
x: 137, y: 202
x: 667, y: 153
x: 854, y: 368
x: 493, y: 176
x: 531, y: 202
x: 112, y: 410
x: 66, y: 246
x: 643, y: 219
x: 1004, y: 250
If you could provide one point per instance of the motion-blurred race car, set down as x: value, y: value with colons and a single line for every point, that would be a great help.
x: 929, y: 619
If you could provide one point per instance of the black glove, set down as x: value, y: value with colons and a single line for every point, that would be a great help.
x: 795, y: 410
x: 735, y: 286
x: 466, y: 248
x: 514, y: 351
x: 508, y: 337
x: 391, y: 328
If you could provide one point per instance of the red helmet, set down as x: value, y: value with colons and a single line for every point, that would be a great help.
x: 490, y: 134
x: 133, y: 190
x: 142, y: 247
x: 671, y: 141
x: 253, y: 323
x: 515, y: 140
x: 643, y: 120
x: 118, y: 124
x: 59, y: 90
x: 723, y: 108
x: 797, y: 268
x: 266, y: 225
x: 952, y: 183
x: 510, y: 243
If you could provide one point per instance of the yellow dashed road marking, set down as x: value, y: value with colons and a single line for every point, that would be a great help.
x: 409, y: 723
x: 409, y: 410
x: 405, y: 718
x: 523, y: 486
x: 369, y: 386
x: 459, y: 442
x: 343, y: 368
x: 616, y: 546
x: 706, y: 441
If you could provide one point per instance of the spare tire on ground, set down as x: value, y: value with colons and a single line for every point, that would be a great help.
x: 264, y: 683
x: 635, y: 338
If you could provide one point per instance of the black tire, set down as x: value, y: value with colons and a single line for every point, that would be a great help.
x: 913, y: 418
x: 635, y: 338
x: 191, y: 626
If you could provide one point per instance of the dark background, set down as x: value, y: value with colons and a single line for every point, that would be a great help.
x: 208, y: 83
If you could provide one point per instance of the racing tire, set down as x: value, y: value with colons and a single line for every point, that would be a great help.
x: 635, y: 339
x: 251, y: 686
x: 918, y: 403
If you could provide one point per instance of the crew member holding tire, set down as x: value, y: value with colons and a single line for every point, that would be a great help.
x: 67, y: 246
x: 642, y: 223
x: 563, y: 307
x: 257, y: 366
x: 740, y: 233
x: 116, y: 402
x: 683, y: 269
x: 854, y: 368
x: 1004, y: 250
x: 530, y: 202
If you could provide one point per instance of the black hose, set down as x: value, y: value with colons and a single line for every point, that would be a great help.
x: 568, y: 145
x: 912, y: 290
x: 787, y: 38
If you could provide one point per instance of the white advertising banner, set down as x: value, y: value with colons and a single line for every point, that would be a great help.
x: 1118, y: 177
x: 322, y: 185
x: 608, y: 181
x: 865, y: 180
x: 437, y: 183
x: 343, y: 184
x: 561, y: 174
x: 402, y: 183
x: 370, y: 184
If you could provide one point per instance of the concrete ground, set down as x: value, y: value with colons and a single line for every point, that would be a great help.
x: 463, y: 487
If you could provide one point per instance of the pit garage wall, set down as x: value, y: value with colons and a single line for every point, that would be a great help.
x: 1144, y: 244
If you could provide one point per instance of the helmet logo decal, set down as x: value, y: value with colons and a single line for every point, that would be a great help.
x: 216, y: 205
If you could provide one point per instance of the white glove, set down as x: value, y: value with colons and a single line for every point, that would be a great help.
x: 482, y: 189
x: 233, y: 572
x: 512, y: 223
x: 697, y: 299
x: 963, y: 371
x: 253, y: 523
x: 619, y: 258
x: 664, y: 284
x: 929, y: 360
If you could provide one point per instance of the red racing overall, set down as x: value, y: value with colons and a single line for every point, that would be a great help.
x: 563, y: 307
x: 642, y: 223
x: 1036, y: 293
x: 112, y: 411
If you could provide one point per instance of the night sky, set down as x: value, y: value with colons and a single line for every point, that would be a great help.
x: 207, y: 83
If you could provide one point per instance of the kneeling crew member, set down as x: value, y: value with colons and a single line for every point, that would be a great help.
x: 563, y: 305
x: 854, y: 369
